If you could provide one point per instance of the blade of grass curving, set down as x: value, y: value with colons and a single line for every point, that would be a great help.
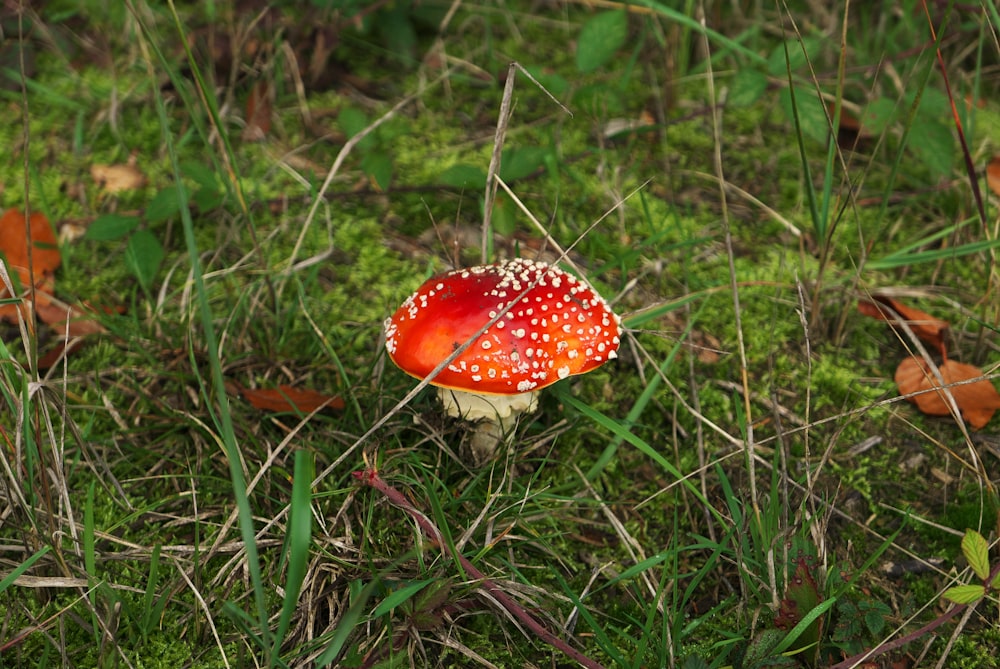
x: 217, y: 406
x: 800, y: 627
x: 20, y: 569
x: 152, y: 608
x: 600, y: 635
x: 398, y: 597
x: 624, y: 432
x: 903, y: 258
x: 641, y: 402
x: 699, y: 28
x: 370, y: 477
x: 90, y: 559
x: 298, y: 541
x: 446, y: 537
x: 348, y: 622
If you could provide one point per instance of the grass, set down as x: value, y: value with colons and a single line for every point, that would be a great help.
x: 731, y: 492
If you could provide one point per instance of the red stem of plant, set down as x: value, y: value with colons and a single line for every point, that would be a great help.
x: 970, y: 168
x: 916, y: 634
x: 371, y: 478
x: 901, y: 641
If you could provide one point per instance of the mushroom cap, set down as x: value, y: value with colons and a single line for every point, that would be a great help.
x: 558, y: 328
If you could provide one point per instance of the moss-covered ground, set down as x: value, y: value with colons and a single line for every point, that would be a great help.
x: 651, y: 513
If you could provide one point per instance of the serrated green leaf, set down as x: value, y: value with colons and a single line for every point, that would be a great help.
x: 977, y: 551
x: 352, y: 121
x: 465, y: 176
x: 879, y: 115
x: 747, y: 87
x: 810, y: 111
x: 517, y: 163
x: 143, y: 256
x: 165, y: 204
x: 553, y: 83
x: 932, y: 143
x: 203, y: 175
x: 109, y: 227
x: 397, y: 31
x: 798, y: 54
x: 378, y: 166
x: 964, y: 594
x: 600, y: 38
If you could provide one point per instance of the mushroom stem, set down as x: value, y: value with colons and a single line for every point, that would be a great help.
x: 494, y: 416
x: 486, y: 437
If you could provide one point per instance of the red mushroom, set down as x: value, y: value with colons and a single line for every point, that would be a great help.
x: 544, y: 325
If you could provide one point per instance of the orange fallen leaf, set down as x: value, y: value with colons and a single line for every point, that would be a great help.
x: 117, y: 178
x: 851, y: 133
x: 67, y: 320
x: 70, y: 323
x: 977, y: 400
x: 993, y: 175
x: 45, y: 257
x: 929, y: 329
x: 289, y: 398
x: 258, y: 113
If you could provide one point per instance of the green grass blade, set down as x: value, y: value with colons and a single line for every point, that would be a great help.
x: 404, y: 594
x: 20, y: 569
x: 299, y: 541
x: 216, y: 398
x: 347, y: 623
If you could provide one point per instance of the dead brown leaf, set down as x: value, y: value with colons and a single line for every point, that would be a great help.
x: 70, y: 324
x: 977, y: 400
x: 993, y: 175
x: 289, y: 398
x: 117, y: 178
x: 14, y: 247
x: 929, y: 329
x: 258, y: 113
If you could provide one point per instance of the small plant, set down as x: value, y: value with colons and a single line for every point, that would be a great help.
x: 977, y: 552
x: 820, y: 618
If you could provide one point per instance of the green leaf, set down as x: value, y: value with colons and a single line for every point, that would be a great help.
x: 165, y: 205
x: 378, y: 166
x: 143, y: 256
x: 932, y: 143
x: 964, y: 594
x: 465, y: 176
x: 799, y: 53
x: 109, y: 227
x: 396, y: 30
x: 879, y: 115
x: 747, y: 88
x: 600, y: 38
x: 517, y: 163
x: 553, y: 83
x: 203, y: 175
x: 977, y: 551
x: 352, y: 121
x: 810, y: 110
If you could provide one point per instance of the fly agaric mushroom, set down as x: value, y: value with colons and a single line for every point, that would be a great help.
x: 543, y: 325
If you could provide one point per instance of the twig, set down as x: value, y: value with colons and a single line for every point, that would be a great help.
x: 371, y: 478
